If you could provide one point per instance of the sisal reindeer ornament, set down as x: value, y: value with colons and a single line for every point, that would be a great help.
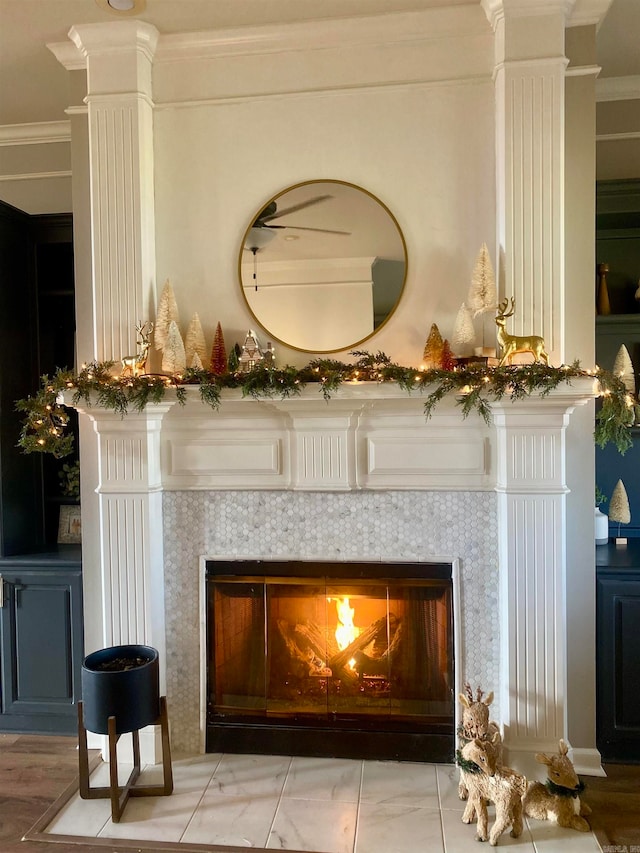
x: 475, y: 723
x: 558, y: 799
x: 488, y: 781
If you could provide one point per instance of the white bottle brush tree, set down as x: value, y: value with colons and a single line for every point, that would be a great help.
x: 482, y: 296
x: 173, y: 356
x: 194, y: 344
x: 619, y: 506
x: 166, y: 313
x: 623, y: 368
x: 464, y: 335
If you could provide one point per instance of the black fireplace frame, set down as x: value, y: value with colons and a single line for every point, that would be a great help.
x: 341, y: 736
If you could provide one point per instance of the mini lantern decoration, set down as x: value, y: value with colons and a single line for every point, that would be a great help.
x: 251, y: 355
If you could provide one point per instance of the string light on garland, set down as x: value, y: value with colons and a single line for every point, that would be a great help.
x: 475, y: 386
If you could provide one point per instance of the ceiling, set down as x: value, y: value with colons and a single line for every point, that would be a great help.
x: 33, y: 85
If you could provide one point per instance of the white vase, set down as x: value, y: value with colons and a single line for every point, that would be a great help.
x: 602, y: 527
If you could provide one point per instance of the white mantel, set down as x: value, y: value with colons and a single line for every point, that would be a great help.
x: 369, y: 437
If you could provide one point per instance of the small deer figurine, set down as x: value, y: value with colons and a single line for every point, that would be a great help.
x: 512, y: 344
x: 559, y: 798
x: 475, y: 723
x: 487, y: 781
x: 135, y: 364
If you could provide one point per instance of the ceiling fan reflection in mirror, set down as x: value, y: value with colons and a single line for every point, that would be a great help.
x: 264, y: 229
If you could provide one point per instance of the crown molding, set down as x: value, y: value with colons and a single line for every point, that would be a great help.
x: 618, y: 88
x: 577, y: 13
x: 35, y: 133
x: 35, y: 176
x: 618, y: 137
x: 583, y: 71
x: 396, y: 27
x: 68, y: 55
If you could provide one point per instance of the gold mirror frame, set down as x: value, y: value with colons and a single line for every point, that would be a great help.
x: 338, y: 253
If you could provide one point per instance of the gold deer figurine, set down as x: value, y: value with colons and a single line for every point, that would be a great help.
x: 512, y: 344
x: 135, y: 364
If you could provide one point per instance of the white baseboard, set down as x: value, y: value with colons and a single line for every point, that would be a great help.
x: 587, y: 762
x: 522, y: 757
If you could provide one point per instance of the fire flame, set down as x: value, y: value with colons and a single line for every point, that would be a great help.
x: 346, y: 631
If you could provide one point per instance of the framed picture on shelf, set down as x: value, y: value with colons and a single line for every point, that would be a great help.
x: 69, y: 525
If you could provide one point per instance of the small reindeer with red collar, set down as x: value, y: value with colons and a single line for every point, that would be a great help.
x: 135, y: 364
x: 513, y: 344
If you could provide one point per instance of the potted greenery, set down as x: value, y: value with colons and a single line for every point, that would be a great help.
x: 602, y: 520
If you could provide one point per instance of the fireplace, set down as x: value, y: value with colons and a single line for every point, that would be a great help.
x: 362, y: 479
x: 334, y: 659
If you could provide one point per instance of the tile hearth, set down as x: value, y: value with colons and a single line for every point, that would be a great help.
x: 303, y: 804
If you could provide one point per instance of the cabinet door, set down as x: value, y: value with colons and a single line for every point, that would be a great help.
x: 40, y: 629
x: 618, y: 659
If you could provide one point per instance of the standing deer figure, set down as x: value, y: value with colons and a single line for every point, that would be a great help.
x: 475, y: 723
x: 559, y: 798
x: 512, y: 344
x: 489, y: 782
x: 135, y: 364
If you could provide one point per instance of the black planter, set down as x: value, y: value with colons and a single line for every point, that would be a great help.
x: 109, y: 689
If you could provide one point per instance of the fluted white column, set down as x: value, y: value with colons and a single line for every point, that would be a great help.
x: 128, y: 583
x: 531, y: 486
x: 529, y: 91
x: 119, y: 60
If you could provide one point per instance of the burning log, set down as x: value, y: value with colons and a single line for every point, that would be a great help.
x: 324, y: 646
x: 338, y: 661
x: 306, y: 656
x: 380, y: 664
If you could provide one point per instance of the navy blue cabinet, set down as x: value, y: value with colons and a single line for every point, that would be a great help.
x: 41, y: 646
x: 618, y: 651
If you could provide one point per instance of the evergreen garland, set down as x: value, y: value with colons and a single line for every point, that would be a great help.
x: 562, y: 791
x: 466, y: 765
x: 475, y: 386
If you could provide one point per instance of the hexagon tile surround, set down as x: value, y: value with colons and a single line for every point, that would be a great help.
x: 342, y: 526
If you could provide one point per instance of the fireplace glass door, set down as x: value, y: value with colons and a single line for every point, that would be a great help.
x: 339, y: 652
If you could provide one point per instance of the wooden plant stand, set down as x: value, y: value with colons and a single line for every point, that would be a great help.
x: 119, y: 794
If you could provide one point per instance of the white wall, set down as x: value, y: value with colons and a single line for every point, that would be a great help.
x: 424, y: 147
x: 35, y: 167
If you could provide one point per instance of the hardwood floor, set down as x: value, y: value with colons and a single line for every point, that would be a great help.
x: 35, y: 770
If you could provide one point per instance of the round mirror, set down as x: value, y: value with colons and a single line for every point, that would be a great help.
x: 323, y: 266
